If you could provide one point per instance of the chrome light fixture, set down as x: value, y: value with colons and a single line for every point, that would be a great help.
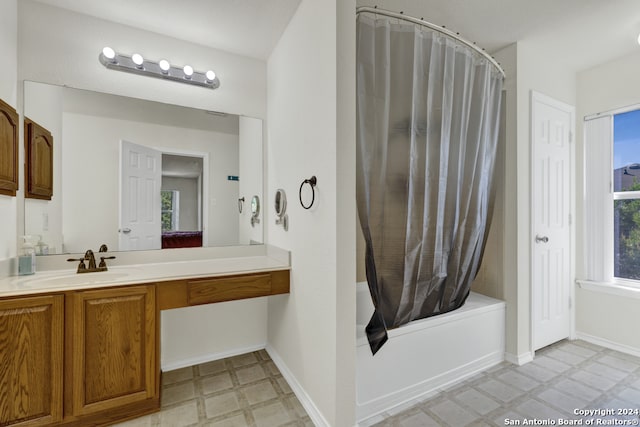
x: 136, y: 64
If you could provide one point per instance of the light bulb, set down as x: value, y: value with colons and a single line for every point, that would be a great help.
x: 210, y: 75
x: 137, y: 59
x: 638, y: 38
x: 164, y: 66
x: 188, y: 71
x: 109, y: 53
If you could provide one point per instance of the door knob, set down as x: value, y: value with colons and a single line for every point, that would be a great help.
x: 126, y: 230
x: 543, y: 239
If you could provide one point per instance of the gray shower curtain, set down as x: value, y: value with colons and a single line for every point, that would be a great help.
x: 427, y: 130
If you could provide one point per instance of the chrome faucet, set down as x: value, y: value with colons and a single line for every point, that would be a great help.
x: 89, y: 256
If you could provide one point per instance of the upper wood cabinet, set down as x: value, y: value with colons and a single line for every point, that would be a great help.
x: 113, y: 356
x: 31, y: 360
x: 8, y: 149
x: 39, y: 161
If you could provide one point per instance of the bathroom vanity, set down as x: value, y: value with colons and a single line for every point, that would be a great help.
x: 83, y: 349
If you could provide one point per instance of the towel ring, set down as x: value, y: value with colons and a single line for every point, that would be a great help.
x: 312, y: 183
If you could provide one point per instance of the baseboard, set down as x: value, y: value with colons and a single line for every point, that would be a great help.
x: 634, y: 351
x: 519, y: 359
x: 306, y: 401
x: 386, y: 403
x: 170, y: 366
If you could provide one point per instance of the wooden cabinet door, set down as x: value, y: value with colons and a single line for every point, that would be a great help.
x: 39, y: 161
x: 8, y: 150
x: 113, y: 333
x: 31, y: 360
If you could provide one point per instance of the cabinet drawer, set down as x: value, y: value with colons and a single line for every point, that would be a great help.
x: 229, y: 288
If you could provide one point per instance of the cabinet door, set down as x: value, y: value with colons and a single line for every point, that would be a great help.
x: 38, y: 146
x: 9, y: 149
x: 31, y: 360
x: 113, y: 348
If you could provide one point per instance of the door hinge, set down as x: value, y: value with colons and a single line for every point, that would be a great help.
x: 569, y: 303
x: 570, y: 136
x: 570, y: 219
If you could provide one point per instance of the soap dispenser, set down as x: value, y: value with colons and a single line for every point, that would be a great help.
x: 27, y: 257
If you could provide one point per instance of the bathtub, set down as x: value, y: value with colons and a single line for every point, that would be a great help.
x: 425, y: 355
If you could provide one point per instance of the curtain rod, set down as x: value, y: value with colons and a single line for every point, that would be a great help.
x: 434, y: 27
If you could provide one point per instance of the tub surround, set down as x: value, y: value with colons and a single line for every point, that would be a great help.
x: 426, y: 355
x: 96, y: 352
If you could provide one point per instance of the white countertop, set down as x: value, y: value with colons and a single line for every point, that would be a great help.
x: 66, y: 280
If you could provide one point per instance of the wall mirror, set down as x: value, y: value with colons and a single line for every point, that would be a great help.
x: 140, y: 175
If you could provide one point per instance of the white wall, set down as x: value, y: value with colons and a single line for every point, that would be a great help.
x: 194, y: 335
x: 44, y: 217
x: 61, y: 47
x: 311, y: 330
x: 188, y: 204
x: 251, y: 179
x: 537, y: 71
x: 8, y: 93
x: 528, y: 68
x: 602, y: 316
x: 99, y: 166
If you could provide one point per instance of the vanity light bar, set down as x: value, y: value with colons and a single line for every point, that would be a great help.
x: 136, y: 64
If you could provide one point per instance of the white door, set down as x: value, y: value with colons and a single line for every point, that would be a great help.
x: 551, y: 128
x: 140, y: 181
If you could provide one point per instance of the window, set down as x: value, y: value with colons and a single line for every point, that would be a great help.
x: 626, y: 195
x: 612, y: 197
x: 170, y: 208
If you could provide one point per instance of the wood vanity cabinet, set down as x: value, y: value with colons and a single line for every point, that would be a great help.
x: 91, y: 357
x: 111, y: 353
x: 31, y: 360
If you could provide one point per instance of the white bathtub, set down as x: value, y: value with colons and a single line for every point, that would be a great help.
x: 427, y: 354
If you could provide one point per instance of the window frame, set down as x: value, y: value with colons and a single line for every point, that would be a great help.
x: 174, y: 211
x: 601, y: 207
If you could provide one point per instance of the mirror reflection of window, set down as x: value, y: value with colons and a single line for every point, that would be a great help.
x: 170, y: 210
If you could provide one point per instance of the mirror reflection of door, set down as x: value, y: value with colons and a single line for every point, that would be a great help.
x: 141, y: 176
x: 160, y: 200
x: 181, y: 201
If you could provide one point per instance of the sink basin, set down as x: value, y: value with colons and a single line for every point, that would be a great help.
x: 76, y: 279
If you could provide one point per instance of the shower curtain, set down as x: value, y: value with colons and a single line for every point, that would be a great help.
x: 427, y: 130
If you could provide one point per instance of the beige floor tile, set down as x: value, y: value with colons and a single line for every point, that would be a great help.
x: 178, y: 393
x: 500, y: 390
x: 260, y: 392
x: 178, y: 375
x: 221, y: 404
x: 216, y: 383
x: 284, y: 385
x: 452, y: 414
x: 419, y: 419
x: 250, y: 374
x: 212, y: 367
x: 273, y: 415
x: 180, y: 416
x: 243, y: 360
x: 477, y: 401
x: 238, y: 420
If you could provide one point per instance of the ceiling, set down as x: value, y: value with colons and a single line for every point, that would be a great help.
x: 580, y: 33
x: 246, y: 27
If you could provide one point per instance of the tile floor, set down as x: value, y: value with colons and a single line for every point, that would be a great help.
x: 246, y: 390
x: 563, y: 377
